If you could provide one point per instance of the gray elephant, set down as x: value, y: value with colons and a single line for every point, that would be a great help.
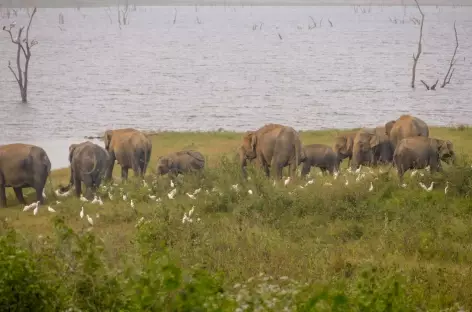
x: 321, y: 156
x: 180, y: 162
x: 383, y: 152
x: 366, y: 143
x: 404, y: 127
x: 275, y: 146
x: 23, y: 165
x: 420, y: 152
x: 130, y: 148
x: 343, y: 145
x: 88, y: 164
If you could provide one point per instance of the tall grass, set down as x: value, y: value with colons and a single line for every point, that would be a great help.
x: 323, y: 246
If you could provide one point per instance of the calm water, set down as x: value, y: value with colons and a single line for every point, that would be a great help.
x: 220, y: 73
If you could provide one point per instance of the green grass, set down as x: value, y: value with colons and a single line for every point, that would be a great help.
x: 317, y: 248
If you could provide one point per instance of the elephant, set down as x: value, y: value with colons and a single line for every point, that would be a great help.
x: 275, y: 146
x: 180, y: 162
x: 366, y: 144
x: 130, y: 148
x: 23, y: 165
x: 88, y: 164
x: 383, y: 153
x: 321, y: 156
x: 420, y: 152
x: 405, y: 126
x: 343, y: 145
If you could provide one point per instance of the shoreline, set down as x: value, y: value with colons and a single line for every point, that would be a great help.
x: 100, y: 4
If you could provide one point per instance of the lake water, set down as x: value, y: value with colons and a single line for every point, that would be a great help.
x: 218, y: 72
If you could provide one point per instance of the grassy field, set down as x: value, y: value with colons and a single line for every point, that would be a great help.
x: 317, y: 248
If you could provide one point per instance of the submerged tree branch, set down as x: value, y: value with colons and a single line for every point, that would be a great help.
x: 448, y: 76
x: 415, y: 58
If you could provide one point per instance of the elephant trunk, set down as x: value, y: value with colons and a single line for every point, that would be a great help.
x: 66, y: 188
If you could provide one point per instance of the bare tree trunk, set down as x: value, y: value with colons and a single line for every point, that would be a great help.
x: 452, y: 62
x: 21, y: 76
x: 415, y: 58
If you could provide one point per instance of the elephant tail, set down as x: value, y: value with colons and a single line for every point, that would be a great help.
x: 94, y: 165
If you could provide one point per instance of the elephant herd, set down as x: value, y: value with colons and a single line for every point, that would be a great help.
x: 25, y: 165
x: 404, y: 143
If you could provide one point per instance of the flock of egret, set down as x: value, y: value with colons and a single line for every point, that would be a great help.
x: 192, y: 195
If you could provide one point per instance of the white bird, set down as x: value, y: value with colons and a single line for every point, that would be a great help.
x: 191, y: 211
x: 428, y: 168
x: 100, y: 202
x: 132, y: 204
x: 152, y: 197
x: 81, y: 214
x: 95, y: 199
x: 336, y: 174
x: 50, y: 209
x: 413, y: 173
x: 35, y: 211
x: 144, y: 183
x: 371, y: 186
x: 404, y: 185
x: 62, y: 194
x: 446, y: 188
x: 125, y: 197
x: 358, y: 169
x: 197, y: 191
x: 310, y: 182
x: 82, y: 198
x: 158, y: 200
x: 44, y: 194
x: 428, y: 189
x: 249, y: 192
x: 287, y: 181
x: 190, y: 195
x: 32, y: 205
x: 185, y: 218
x: 110, y: 196
x: 172, y: 193
x: 347, y: 182
x: 90, y: 220
x: 171, y: 183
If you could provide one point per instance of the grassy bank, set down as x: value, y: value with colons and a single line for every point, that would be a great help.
x: 333, y: 247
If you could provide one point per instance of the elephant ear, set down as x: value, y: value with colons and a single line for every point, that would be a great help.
x: 374, y: 140
x: 349, y: 143
x: 107, y: 138
x: 253, y: 141
x: 389, y: 126
x: 72, y: 148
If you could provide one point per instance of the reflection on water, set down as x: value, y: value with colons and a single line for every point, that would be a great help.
x: 155, y: 75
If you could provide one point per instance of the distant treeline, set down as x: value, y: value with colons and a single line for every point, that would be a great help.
x: 97, y: 3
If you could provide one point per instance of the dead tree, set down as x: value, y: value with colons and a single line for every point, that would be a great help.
x: 23, y: 46
x: 415, y: 58
x: 447, y: 78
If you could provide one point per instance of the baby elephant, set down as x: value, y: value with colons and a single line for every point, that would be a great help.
x: 420, y: 152
x: 180, y: 162
x: 321, y: 156
x: 88, y: 164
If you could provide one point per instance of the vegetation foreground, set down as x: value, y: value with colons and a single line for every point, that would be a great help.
x: 256, y: 247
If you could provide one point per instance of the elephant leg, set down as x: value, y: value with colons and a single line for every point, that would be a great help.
x: 124, y: 172
x: 3, y: 197
x: 39, y: 195
x: 19, y: 195
x: 292, y: 168
x: 78, y: 186
x: 111, y: 165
